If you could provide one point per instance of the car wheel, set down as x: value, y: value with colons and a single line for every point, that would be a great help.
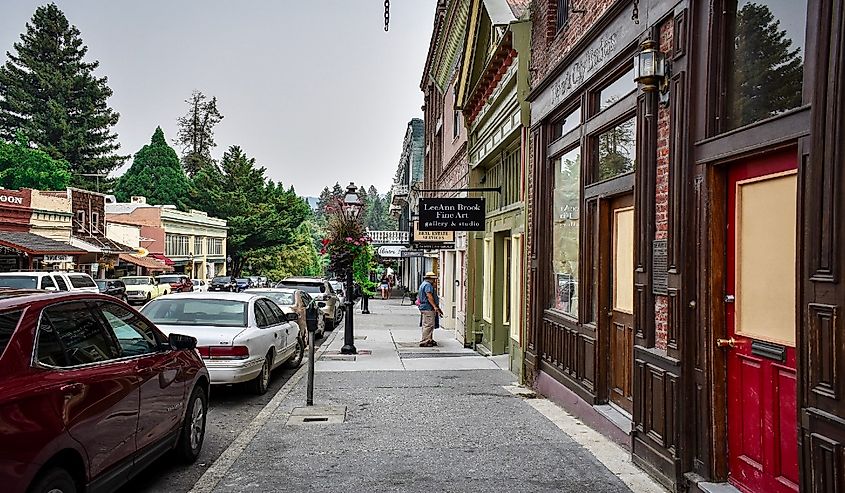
x: 298, y: 354
x: 55, y: 480
x: 259, y: 384
x: 193, y: 428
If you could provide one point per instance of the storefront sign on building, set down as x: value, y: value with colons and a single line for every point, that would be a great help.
x: 393, y: 251
x: 57, y: 259
x: 11, y: 199
x: 616, y: 37
x: 464, y: 214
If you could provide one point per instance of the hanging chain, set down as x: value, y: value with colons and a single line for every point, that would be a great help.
x: 635, y: 15
x: 386, y: 14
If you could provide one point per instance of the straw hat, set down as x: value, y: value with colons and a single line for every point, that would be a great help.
x: 430, y: 275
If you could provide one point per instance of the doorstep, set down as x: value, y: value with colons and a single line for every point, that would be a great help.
x: 699, y: 485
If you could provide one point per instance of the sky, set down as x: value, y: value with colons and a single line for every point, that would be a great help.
x: 315, y: 90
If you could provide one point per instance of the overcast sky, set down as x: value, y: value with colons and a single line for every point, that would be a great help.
x: 315, y: 90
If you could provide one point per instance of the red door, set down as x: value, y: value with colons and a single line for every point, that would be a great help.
x: 762, y: 420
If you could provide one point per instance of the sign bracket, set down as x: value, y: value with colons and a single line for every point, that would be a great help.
x: 470, y: 189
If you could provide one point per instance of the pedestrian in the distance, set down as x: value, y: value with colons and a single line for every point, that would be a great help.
x: 384, y: 286
x: 429, y: 304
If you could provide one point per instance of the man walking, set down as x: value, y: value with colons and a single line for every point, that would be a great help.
x: 429, y: 304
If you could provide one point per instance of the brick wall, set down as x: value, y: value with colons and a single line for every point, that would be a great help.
x: 548, y: 46
x: 661, y: 193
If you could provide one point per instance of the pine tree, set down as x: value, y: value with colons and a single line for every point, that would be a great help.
x: 767, y: 73
x: 322, y: 202
x: 338, y: 191
x: 196, y: 131
x: 50, y: 93
x: 155, y: 174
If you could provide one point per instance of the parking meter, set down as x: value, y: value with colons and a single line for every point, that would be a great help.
x: 311, y: 314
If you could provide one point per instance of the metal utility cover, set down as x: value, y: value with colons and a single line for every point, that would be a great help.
x: 317, y: 415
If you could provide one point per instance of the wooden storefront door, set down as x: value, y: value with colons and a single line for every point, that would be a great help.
x: 762, y: 422
x: 621, y: 237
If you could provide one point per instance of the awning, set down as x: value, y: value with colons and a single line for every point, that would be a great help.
x: 159, y: 256
x: 36, y: 245
x: 103, y: 245
x: 84, y: 245
x: 146, y: 262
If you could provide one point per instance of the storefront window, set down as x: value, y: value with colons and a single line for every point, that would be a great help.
x: 567, y: 124
x: 617, y: 89
x: 617, y: 150
x: 565, y: 237
x: 765, y: 62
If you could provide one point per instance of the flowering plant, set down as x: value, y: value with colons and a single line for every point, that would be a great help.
x: 348, y: 247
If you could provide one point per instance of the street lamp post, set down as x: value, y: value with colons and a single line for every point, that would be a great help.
x: 352, y: 206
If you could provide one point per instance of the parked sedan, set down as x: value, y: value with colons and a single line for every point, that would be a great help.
x: 112, y: 287
x: 91, y: 387
x: 200, y: 285
x: 243, y: 283
x: 179, y: 283
x: 223, y: 283
x: 242, y: 337
x: 296, y: 301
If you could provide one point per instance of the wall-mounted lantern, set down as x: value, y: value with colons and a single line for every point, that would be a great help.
x: 650, y: 68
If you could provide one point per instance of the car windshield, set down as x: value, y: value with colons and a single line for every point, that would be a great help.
x: 191, y: 311
x: 308, y: 288
x: 19, y: 282
x: 243, y: 281
x: 279, y: 297
x: 135, y: 281
x: 168, y: 279
x: 221, y: 279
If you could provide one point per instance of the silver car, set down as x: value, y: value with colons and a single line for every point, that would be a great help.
x: 241, y: 337
x: 322, y: 291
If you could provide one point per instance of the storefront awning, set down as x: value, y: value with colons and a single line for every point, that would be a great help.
x: 146, y: 262
x: 101, y: 244
x: 159, y: 256
x: 33, y: 244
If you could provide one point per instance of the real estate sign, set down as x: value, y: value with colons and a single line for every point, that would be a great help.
x: 464, y: 214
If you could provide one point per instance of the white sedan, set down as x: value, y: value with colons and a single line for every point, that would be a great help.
x: 241, y: 337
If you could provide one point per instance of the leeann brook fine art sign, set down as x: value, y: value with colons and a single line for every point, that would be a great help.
x: 465, y: 214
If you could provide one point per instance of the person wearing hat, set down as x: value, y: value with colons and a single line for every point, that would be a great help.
x: 429, y: 304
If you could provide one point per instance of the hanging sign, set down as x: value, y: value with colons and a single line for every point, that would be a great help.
x: 391, y: 251
x: 464, y: 214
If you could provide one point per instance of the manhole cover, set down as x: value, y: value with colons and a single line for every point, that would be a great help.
x: 317, y: 415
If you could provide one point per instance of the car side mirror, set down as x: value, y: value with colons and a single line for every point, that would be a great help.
x: 292, y: 317
x: 179, y: 341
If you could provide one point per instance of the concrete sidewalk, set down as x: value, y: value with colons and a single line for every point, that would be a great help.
x: 398, y: 417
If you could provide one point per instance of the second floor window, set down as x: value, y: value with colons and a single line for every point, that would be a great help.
x: 198, y: 245
x: 176, y: 245
x: 562, y: 13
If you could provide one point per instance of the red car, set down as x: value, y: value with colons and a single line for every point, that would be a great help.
x: 92, y: 392
x: 179, y: 283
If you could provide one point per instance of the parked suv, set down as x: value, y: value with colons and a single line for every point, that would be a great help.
x: 322, y: 291
x: 112, y: 287
x: 92, y: 393
x: 178, y: 283
x: 50, y: 281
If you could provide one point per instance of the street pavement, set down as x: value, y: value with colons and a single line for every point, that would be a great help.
x: 416, y: 419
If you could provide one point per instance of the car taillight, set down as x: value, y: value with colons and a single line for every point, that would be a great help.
x: 223, y: 352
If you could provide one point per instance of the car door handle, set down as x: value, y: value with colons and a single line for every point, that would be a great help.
x: 72, y: 388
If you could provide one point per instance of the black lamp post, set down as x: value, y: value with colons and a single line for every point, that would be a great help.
x: 352, y: 207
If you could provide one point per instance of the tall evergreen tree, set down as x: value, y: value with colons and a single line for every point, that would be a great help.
x: 196, y: 131
x: 50, y: 93
x: 155, y: 174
